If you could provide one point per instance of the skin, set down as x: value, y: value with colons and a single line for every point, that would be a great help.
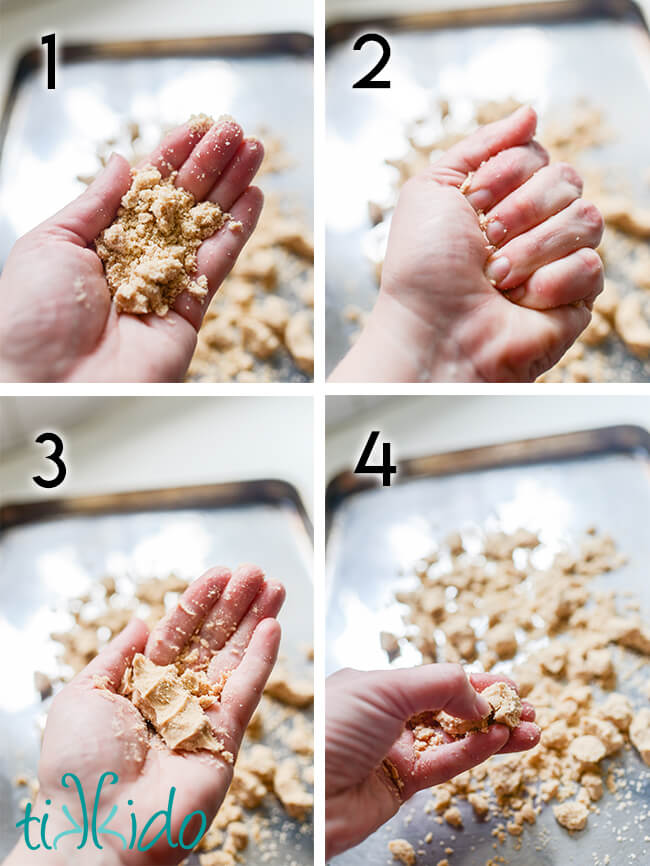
x: 365, y: 724
x: 235, y: 614
x: 48, y: 335
x: 438, y: 316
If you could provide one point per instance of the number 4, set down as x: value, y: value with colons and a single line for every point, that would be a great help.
x: 386, y: 469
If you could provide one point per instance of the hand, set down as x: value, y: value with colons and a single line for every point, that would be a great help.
x: 92, y: 730
x: 48, y: 332
x: 365, y: 726
x: 458, y: 304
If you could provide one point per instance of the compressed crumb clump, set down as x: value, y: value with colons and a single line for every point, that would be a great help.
x: 149, y: 250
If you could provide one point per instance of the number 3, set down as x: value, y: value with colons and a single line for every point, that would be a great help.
x: 55, y: 457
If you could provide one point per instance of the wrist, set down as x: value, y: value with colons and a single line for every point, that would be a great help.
x: 398, y: 345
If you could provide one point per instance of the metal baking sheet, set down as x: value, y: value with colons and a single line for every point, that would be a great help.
x: 47, y: 138
x: 52, y: 552
x: 558, y: 487
x: 550, y: 56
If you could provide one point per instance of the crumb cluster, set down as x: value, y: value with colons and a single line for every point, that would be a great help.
x: 276, y: 758
x: 149, y: 250
x: 573, y: 651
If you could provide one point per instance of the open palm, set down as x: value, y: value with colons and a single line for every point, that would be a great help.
x: 58, y: 322
x: 92, y: 730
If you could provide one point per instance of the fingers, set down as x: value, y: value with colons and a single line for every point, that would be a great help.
x: 481, y: 681
x: 468, y: 154
x: 173, y: 632
x: 175, y: 148
x: 217, y: 255
x: 525, y: 736
x: 244, y: 687
x: 209, y: 159
x: 227, y: 613
x: 238, y: 175
x: 434, y: 766
x: 534, y: 341
x: 577, y: 277
x: 548, y: 192
x: 266, y: 605
x: 578, y: 225
x: 428, y: 687
x: 504, y: 173
x: 95, y: 209
x: 116, y: 656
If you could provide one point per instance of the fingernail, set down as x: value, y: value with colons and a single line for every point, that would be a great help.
x: 480, y: 199
x: 481, y: 706
x: 515, y: 295
x: 497, y: 269
x: 495, y: 231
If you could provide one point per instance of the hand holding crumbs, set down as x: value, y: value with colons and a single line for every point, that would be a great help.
x: 58, y: 320
x: 224, y: 637
x: 374, y: 762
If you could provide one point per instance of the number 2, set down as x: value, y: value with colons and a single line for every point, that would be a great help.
x: 55, y: 457
x: 369, y: 80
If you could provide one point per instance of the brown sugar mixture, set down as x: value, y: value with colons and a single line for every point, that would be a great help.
x: 572, y: 649
x: 149, y: 250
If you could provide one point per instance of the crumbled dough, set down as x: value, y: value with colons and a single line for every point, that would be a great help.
x: 632, y: 326
x: 572, y: 815
x: 290, y: 791
x: 570, y: 639
x: 288, y: 689
x: 640, y: 734
x: 453, y: 817
x: 402, y: 851
x: 149, y: 250
x: 173, y: 705
x: 505, y: 704
x: 300, y: 340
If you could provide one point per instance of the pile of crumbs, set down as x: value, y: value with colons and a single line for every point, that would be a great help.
x: 616, y: 344
x: 259, y: 325
x: 279, y: 770
x: 571, y: 648
x: 149, y: 250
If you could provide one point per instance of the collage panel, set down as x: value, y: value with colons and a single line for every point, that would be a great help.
x: 142, y: 157
x: 487, y: 631
x: 478, y: 158
x: 156, y: 614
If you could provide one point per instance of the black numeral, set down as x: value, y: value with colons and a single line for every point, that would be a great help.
x: 386, y: 469
x: 55, y: 457
x: 369, y: 79
x: 49, y: 41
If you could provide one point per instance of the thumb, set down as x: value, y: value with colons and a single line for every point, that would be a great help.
x: 113, y: 660
x: 94, y: 210
x: 404, y: 693
x: 466, y: 156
